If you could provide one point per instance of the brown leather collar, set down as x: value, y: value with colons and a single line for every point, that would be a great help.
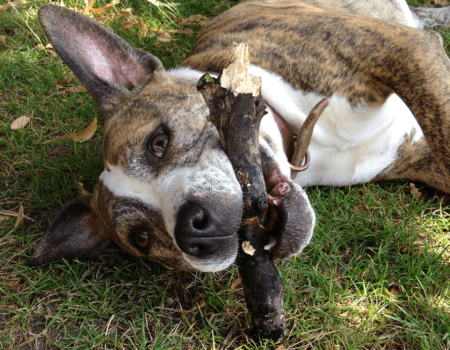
x: 289, y: 140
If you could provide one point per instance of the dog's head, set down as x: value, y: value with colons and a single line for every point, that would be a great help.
x: 168, y: 192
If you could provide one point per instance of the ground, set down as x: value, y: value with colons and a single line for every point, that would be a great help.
x: 374, y: 277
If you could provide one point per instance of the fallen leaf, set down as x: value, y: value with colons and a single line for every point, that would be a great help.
x: 394, y: 291
x: 125, y: 13
x: 13, y: 284
x: 164, y: 38
x: 19, y: 217
x: 104, y: 8
x: 143, y: 26
x: 443, y: 3
x: 76, y: 89
x: 418, y: 195
x: 248, y: 248
x: 48, y: 48
x: 129, y: 23
x: 20, y: 123
x: 61, y: 84
x: 87, y: 8
x: 187, y: 31
x: 100, y: 19
x: 82, y: 190
x: 192, y: 19
x: 3, y: 38
x: 13, y: 5
x: 156, y: 3
x: 156, y: 30
x: 82, y: 136
x: 236, y: 284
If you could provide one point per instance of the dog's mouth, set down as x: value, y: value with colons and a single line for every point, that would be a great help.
x: 206, y: 232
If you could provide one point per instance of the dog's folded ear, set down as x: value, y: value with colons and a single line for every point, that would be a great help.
x: 76, y: 232
x: 105, y: 63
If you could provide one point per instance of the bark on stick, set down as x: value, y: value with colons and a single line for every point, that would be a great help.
x: 236, y: 109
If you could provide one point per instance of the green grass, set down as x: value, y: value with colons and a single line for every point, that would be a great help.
x: 374, y: 277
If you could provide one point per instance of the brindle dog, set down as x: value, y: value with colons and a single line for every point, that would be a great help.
x: 168, y: 192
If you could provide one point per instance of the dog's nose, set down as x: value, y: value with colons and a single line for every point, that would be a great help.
x: 199, y: 234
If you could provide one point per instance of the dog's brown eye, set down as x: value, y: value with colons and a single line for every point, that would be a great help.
x: 159, y: 144
x: 141, y: 239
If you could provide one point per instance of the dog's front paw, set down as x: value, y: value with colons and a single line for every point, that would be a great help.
x: 291, y: 220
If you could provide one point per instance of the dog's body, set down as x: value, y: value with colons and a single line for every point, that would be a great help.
x: 169, y: 193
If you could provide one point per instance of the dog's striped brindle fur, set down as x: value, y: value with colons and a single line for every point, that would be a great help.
x: 168, y: 192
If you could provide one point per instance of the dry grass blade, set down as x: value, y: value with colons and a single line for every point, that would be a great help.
x: 20, y: 123
x: 82, y: 136
x: 4, y: 218
x: 170, y: 8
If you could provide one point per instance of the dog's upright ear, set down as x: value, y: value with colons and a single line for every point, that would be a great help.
x: 108, y: 67
x: 76, y: 232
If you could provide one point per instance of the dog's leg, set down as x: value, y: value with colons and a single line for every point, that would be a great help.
x: 426, y: 17
x: 415, y: 162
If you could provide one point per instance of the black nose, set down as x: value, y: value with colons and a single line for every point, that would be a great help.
x: 198, y: 233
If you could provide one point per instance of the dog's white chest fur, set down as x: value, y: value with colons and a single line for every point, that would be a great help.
x: 350, y: 145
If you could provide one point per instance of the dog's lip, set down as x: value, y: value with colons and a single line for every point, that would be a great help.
x: 206, y: 237
x: 285, y: 131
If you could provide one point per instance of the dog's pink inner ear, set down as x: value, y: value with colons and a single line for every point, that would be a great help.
x: 110, y: 64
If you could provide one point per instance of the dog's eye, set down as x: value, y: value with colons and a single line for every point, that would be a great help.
x: 159, y: 144
x: 141, y: 239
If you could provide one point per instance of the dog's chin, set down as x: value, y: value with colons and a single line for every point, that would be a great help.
x: 203, y: 265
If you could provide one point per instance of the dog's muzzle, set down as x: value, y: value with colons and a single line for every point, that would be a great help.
x: 202, y: 233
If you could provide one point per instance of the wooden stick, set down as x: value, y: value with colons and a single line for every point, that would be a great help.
x: 236, y: 109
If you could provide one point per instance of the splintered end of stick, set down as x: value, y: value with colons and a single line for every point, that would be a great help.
x: 236, y: 78
x: 248, y: 248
